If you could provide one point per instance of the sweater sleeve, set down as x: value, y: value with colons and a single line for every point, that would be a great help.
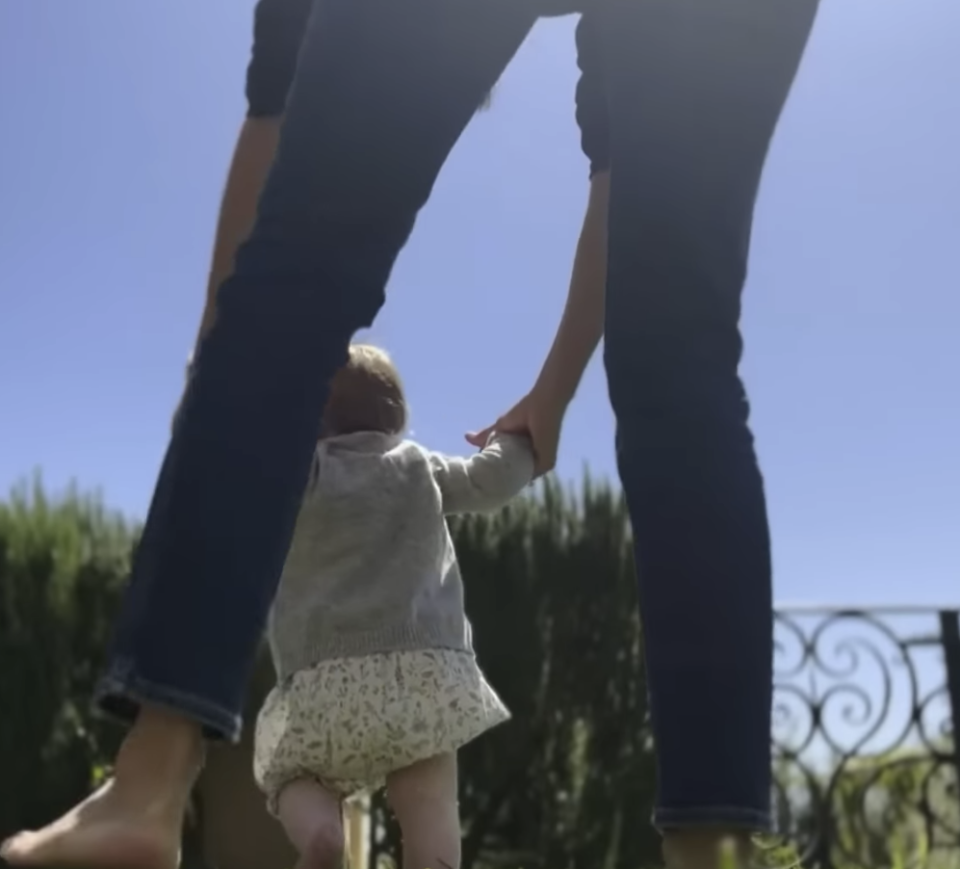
x: 278, y: 30
x: 591, y: 97
x: 487, y: 480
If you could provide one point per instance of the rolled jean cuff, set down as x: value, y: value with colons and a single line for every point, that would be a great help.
x: 728, y: 817
x: 121, y: 693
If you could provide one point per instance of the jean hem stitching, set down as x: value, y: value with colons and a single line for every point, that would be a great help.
x: 214, y: 719
x: 759, y: 821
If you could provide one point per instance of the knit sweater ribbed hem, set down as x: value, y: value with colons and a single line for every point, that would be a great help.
x: 340, y: 643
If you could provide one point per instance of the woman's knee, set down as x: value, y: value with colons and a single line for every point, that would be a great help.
x: 683, y: 372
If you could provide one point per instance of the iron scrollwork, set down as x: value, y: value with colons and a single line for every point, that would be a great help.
x: 865, y: 760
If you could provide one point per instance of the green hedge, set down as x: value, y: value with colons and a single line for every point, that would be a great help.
x: 62, y: 565
x: 551, y: 595
x: 566, y: 784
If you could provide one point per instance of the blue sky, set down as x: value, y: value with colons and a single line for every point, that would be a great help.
x: 119, y: 119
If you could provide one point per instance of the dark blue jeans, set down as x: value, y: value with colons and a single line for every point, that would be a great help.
x: 683, y: 97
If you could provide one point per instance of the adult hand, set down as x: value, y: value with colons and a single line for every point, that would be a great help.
x: 538, y: 415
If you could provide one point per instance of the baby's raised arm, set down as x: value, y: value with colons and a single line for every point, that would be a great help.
x: 486, y: 480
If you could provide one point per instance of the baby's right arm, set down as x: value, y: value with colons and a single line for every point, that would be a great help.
x: 486, y: 480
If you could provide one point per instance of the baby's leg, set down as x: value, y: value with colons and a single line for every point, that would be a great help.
x: 424, y: 799
x: 313, y: 820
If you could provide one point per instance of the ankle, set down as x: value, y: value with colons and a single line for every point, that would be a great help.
x: 162, y: 755
x: 707, y: 849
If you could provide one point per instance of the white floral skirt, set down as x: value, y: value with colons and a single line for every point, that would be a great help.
x: 349, y: 722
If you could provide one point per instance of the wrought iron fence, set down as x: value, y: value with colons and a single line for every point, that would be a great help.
x: 866, y: 749
x: 867, y: 754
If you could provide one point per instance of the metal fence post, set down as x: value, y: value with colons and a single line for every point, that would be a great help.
x: 950, y: 635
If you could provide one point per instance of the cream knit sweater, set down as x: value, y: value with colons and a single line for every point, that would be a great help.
x: 372, y: 567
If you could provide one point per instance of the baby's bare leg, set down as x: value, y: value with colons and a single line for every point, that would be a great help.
x: 424, y: 799
x: 313, y: 820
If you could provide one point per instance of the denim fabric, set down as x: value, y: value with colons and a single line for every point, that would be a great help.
x: 691, y: 93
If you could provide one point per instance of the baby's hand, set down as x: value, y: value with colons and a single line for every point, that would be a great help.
x: 537, y: 415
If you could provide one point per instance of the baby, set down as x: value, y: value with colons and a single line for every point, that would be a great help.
x: 377, y: 679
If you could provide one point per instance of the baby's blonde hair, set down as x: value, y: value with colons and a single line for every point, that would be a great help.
x: 365, y: 395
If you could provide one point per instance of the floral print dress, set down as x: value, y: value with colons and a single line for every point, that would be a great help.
x: 349, y: 722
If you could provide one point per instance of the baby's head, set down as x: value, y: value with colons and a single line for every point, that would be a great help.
x: 365, y: 395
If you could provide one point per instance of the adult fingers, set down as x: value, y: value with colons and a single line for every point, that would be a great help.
x: 479, y: 439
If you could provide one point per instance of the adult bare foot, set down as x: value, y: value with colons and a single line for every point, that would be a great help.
x: 135, y: 820
x: 105, y: 831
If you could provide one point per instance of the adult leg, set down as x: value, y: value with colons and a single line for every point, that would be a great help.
x: 423, y: 796
x: 279, y: 27
x: 382, y: 92
x: 695, y: 89
x: 252, y: 159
